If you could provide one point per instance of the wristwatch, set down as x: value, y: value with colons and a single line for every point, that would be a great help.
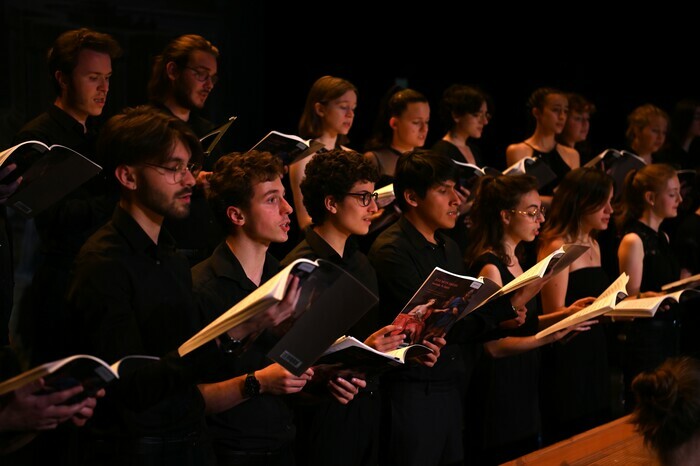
x: 251, y: 387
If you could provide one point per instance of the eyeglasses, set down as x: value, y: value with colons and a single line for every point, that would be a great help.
x: 202, y: 76
x: 533, y: 214
x: 481, y: 115
x: 365, y: 197
x: 177, y: 173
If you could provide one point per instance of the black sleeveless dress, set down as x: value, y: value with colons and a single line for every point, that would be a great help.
x: 575, y: 372
x: 556, y: 163
x: 502, y: 410
x: 648, y: 342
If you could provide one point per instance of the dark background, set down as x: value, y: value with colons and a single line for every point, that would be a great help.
x: 271, y: 54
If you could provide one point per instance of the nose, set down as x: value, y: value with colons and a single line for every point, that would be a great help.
x: 286, y: 207
x: 455, y: 197
x: 188, y: 179
x: 372, y: 206
x: 103, y: 84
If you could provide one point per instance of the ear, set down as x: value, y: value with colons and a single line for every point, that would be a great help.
x: 410, y: 197
x: 172, y: 70
x: 650, y: 197
x: 535, y: 112
x: 235, y: 214
x: 319, y: 109
x: 505, y: 217
x: 392, y: 123
x: 126, y: 175
x: 331, y: 204
x: 61, y: 78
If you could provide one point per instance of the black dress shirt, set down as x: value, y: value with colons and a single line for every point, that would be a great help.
x: 62, y: 228
x: 353, y: 261
x: 128, y: 296
x: 262, y: 423
x: 403, y: 259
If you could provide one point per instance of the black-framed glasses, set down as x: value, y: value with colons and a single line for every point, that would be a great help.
x: 365, y: 197
x: 202, y: 76
x: 177, y: 173
x: 533, y: 213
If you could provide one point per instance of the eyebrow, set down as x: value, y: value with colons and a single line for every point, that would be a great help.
x: 272, y: 191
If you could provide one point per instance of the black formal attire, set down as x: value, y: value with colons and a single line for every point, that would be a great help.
x: 199, y: 233
x: 131, y: 296
x: 260, y: 430
x: 648, y: 342
x: 329, y: 432
x: 448, y: 149
x: 419, y: 396
x: 503, y: 411
x: 63, y: 228
x: 576, y: 371
x: 554, y: 160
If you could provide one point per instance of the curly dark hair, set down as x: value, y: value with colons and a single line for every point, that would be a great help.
x: 231, y: 182
x: 333, y: 173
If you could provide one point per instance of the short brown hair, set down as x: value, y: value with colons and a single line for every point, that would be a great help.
x: 63, y: 54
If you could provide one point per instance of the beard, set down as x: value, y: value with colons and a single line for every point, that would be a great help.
x: 181, y: 93
x: 161, y: 204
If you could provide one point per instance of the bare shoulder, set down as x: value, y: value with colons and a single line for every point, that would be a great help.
x: 516, y: 152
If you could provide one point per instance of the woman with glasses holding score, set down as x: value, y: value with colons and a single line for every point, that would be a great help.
x: 507, y: 212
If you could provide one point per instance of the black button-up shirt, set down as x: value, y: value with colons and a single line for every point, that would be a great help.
x: 262, y: 423
x: 127, y: 296
x: 403, y: 259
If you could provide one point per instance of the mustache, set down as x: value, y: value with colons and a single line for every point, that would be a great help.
x: 184, y: 192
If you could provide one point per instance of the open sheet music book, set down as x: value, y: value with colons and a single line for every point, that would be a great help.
x: 647, y: 307
x: 348, y: 357
x: 688, y: 282
x: 535, y: 167
x: 606, y: 302
x: 81, y: 369
x: 48, y: 174
x: 617, y: 163
x: 330, y: 301
x: 210, y: 140
x: 289, y: 147
x: 385, y: 195
x: 551, y: 265
x: 469, y: 173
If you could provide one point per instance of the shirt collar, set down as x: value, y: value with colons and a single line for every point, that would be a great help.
x: 417, y: 239
x: 137, y: 237
x: 326, y: 251
x: 68, y: 122
x: 225, y: 264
